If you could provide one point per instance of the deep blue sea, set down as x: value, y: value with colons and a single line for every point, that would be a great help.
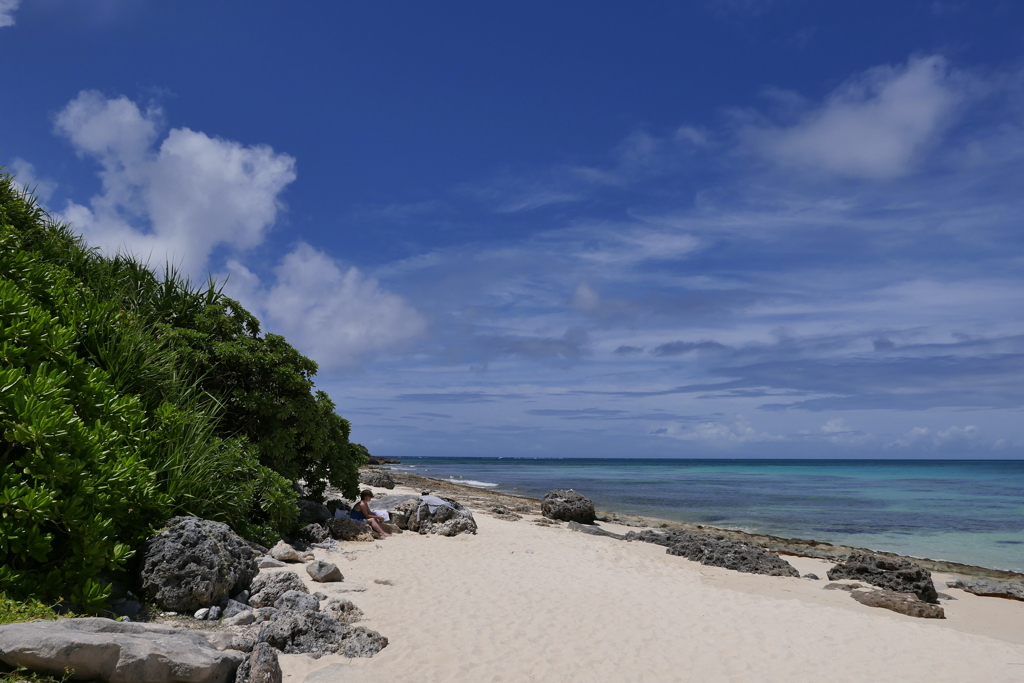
x: 961, y: 510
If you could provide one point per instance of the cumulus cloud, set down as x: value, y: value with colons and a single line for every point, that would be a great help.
x: 336, y: 315
x: 923, y: 436
x: 875, y: 126
x: 721, y: 433
x: 7, y: 10
x: 25, y: 174
x: 177, y: 198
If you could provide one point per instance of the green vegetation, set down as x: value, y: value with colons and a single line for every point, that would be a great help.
x: 12, y: 611
x: 127, y: 398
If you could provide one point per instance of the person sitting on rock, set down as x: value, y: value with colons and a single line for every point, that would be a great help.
x: 361, y: 513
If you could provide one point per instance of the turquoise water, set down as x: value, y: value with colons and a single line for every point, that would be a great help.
x: 960, y: 510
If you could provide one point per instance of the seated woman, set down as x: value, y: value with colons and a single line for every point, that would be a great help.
x: 361, y: 512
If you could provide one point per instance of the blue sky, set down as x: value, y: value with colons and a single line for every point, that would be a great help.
x: 719, y: 228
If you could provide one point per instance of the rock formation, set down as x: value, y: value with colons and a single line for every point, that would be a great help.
x: 267, y: 588
x: 904, y: 603
x: 568, y: 506
x: 891, y: 573
x: 377, y: 478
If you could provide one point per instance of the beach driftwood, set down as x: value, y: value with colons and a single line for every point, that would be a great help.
x: 889, y: 572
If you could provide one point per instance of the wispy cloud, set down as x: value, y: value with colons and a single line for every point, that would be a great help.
x: 7, y: 10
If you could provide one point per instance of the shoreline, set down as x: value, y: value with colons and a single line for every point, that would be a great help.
x: 478, y: 497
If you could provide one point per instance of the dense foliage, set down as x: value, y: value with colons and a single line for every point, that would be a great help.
x: 126, y: 398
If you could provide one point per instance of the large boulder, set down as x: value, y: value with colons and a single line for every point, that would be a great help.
x: 115, y: 652
x: 990, y: 588
x: 314, y: 533
x: 889, y: 572
x: 739, y: 557
x: 261, y: 666
x: 195, y: 563
x: 297, y: 601
x: 286, y: 553
x: 317, y: 634
x: 377, y: 478
x: 349, y: 530
x: 436, y: 515
x: 267, y: 588
x: 568, y: 506
x: 904, y: 603
x: 312, y: 512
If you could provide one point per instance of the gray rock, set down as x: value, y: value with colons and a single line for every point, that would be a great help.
x: 314, y: 533
x: 904, y: 603
x: 392, y: 501
x: 812, y: 577
x: 889, y: 572
x: 842, y: 586
x: 444, y: 520
x: 234, y: 607
x: 990, y: 588
x: 377, y: 478
x: 285, y: 553
x: 349, y: 530
x: 593, y: 530
x: 320, y: 596
x: 568, y: 506
x: 241, y: 619
x: 201, y: 613
x: 267, y: 588
x: 740, y: 557
x: 267, y: 562
x: 343, y: 610
x: 312, y: 512
x: 264, y: 614
x: 261, y: 666
x: 242, y: 597
x: 228, y: 640
x: 214, y: 613
x: 115, y: 652
x: 297, y: 602
x: 324, y: 572
x: 195, y: 563
x: 650, y: 536
x: 316, y: 634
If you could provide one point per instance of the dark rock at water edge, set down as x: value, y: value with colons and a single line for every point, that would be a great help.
x: 267, y: 588
x: 891, y: 573
x: 261, y: 666
x: 317, y: 634
x: 374, y: 460
x: 904, y: 603
x: 740, y: 557
x: 115, y: 652
x: 195, y: 563
x: 990, y: 588
x: 568, y: 506
x: 377, y: 478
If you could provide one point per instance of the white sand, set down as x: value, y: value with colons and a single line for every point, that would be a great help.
x: 520, y: 602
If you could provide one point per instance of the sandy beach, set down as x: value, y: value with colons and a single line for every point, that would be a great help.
x: 524, y: 602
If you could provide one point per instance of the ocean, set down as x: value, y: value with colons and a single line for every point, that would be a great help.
x: 968, y: 511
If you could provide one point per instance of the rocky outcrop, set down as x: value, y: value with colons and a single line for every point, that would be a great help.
x: 312, y: 512
x: 324, y: 572
x: 115, y: 652
x: 568, y: 506
x: 729, y: 554
x: 314, y: 533
x: 267, y: 588
x: 195, y: 563
x: 317, y: 634
x: 261, y: 666
x: 650, y: 536
x: 892, y: 573
x: 349, y: 530
x: 436, y: 515
x: 286, y: 553
x: 343, y: 610
x: 904, y: 603
x: 297, y: 601
x: 990, y: 588
x: 377, y: 479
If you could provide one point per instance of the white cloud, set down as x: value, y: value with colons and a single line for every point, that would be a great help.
x: 642, y: 245
x: 585, y: 297
x: 721, y: 433
x: 875, y: 126
x: 176, y: 201
x: 923, y: 436
x: 335, y: 315
x: 7, y: 10
x: 25, y: 174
